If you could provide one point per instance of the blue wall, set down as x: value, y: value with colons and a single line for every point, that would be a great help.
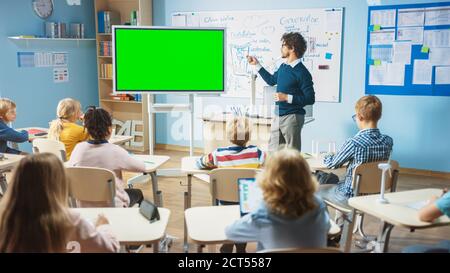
x: 33, y: 89
x: 420, y: 126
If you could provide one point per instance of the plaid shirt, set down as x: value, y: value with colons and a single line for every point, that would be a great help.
x: 367, y: 145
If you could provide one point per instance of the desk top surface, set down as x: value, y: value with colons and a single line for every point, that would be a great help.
x: 188, y: 166
x: 128, y: 224
x: 9, y: 161
x: 217, y: 219
x: 400, y: 210
x: 152, y: 162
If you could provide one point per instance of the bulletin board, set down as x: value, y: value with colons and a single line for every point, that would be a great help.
x: 408, y: 50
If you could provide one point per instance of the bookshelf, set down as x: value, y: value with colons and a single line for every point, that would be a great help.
x: 122, y: 110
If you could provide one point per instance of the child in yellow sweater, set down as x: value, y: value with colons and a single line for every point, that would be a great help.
x: 64, y: 128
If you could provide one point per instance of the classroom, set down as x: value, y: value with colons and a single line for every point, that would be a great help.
x: 186, y: 126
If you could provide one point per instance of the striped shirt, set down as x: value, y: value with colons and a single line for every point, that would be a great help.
x: 367, y: 145
x: 232, y: 157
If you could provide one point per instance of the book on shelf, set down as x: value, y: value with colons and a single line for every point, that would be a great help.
x: 122, y: 97
x: 106, y: 19
x: 106, y: 71
x: 105, y: 48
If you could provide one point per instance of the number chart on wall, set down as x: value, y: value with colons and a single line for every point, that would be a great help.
x: 408, y: 50
x: 258, y: 33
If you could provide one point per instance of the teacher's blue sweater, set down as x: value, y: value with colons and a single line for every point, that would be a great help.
x: 295, y: 81
x: 9, y: 134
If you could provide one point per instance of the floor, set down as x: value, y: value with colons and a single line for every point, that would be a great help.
x: 173, y: 188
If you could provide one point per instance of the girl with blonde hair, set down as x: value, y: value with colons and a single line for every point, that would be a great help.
x: 64, y: 128
x: 35, y: 217
x: 291, y: 215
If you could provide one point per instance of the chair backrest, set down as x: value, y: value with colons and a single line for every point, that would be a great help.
x: 224, y: 184
x: 89, y: 184
x: 367, y: 178
x: 302, y: 250
x: 43, y: 145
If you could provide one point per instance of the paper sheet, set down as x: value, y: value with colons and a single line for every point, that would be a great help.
x: 60, y: 58
x: 411, y: 17
x: 437, y: 38
x: 25, y: 59
x: 440, y: 56
x: 402, y: 53
x: 377, y: 74
x: 413, y: 34
x: 43, y: 59
x: 442, y: 75
x: 388, y: 74
x: 334, y: 19
x: 423, y: 71
x: 383, y: 37
x: 381, y: 52
x: 417, y: 205
x: 384, y: 18
x: 179, y: 20
x: 60, y: 74
x: 437, y: 16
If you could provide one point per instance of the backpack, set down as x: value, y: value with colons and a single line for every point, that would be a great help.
x: 326, y: 178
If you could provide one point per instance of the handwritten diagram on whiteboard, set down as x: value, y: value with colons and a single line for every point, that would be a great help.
x: 258, y: 33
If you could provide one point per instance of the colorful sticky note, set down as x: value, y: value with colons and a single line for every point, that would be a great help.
x: 328, y: 56
x: 425, y: 49
x: 376, y: 62
x: 375, y: 27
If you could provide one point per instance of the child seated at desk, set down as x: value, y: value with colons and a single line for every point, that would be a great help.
x: 437, y: 207
x: 7, y: 115
x: 291, y: 215
x: 64, y: 128
x: 368, y: 145
x: 35, y: 217
x: 238, y: 155
x: 98, y: 152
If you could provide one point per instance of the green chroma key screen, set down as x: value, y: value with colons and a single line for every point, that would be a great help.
x: 159, y: 59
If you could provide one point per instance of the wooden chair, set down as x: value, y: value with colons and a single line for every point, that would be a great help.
x: 89, y: 184
x: 43, y: 145
x: 301, y: 250
x: 366, y: 180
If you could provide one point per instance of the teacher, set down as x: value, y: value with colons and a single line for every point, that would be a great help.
x: 294, y: 91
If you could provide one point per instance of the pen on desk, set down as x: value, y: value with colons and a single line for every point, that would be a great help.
x: 149, y: 162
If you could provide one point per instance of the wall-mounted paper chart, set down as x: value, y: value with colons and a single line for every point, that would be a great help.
x: 408, y: 50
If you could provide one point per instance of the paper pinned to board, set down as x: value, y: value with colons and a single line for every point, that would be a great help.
x: 402, y: 52
x: 384, y: 18
x: 411, y: 17
x: 413, y: 34
x: 423, y: 70
x: 179, y: 20
x: 440, y: 56
x: 383, y: 37
x: 442, y: 75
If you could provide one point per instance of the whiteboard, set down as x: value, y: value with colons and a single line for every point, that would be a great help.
x: 258, y: 33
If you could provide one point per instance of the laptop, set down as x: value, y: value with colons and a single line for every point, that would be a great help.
x: 250, y: 195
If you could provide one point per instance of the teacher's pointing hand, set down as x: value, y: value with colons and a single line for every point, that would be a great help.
x: 252, y: 60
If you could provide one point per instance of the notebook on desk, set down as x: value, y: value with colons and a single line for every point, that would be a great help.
x: 36, y: 132
x: 250, y: 195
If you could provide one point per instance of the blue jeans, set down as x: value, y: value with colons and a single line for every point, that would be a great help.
x: 442, y: 247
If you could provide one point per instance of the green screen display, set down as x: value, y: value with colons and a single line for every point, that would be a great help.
x: 164, y: 59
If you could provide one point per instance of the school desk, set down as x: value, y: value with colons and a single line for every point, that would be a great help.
x: 206, y: 225
x: 401, y: 211
x: 8, y: 162
x: 130, y: 226
x: 152, y: 163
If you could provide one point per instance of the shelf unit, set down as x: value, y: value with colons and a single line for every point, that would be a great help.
x: 28, y: 40
x: 123, y: 110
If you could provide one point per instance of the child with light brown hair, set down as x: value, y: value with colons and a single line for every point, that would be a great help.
x: 237, y: 155
x: 290, y: 215
x: 65, y: 128
x: 35, y: 216
x: 7, y: 115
